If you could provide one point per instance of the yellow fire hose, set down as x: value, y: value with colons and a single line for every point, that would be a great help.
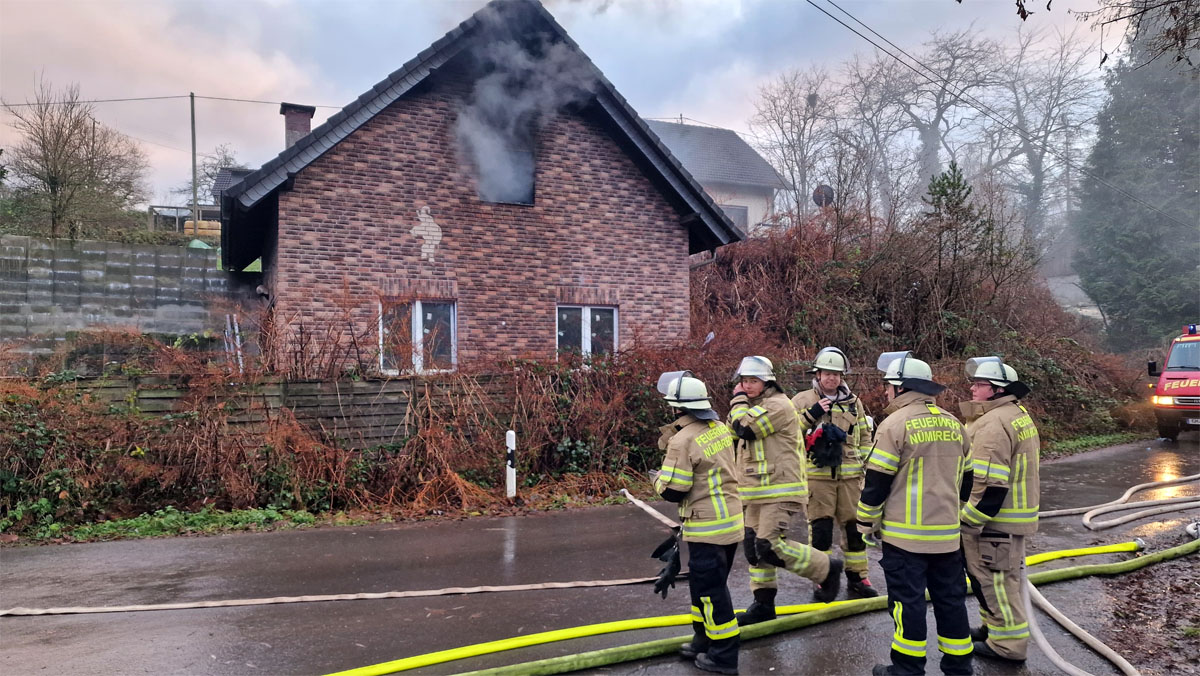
x: 813, y: 613
x: 599, y: 658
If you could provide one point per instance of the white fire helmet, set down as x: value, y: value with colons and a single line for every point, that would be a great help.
x: 830, y: 359
x: 900, y: 366
x: 756, y: 367
x: 681, y: 390
x: 991, y: 369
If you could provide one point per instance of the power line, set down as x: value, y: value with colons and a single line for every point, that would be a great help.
x: 987, y: 111
x: 69, y: 101
x: 272, y: 103
x: 150, y: 98
x: 143, y: 140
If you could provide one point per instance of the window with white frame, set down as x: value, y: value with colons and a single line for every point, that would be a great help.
x: 586, y: 329
x: 418, y: 336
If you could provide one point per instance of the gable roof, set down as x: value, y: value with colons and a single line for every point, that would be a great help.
x: 227, y: 176
x: 716, y: 155
x: 707, y: 225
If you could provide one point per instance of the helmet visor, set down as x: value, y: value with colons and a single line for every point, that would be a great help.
x: 886, y: 359
x: 664, y: 382
x: 974, y: 363
x: 754, y: 367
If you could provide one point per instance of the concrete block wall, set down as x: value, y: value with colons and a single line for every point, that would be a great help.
x: 51, y: 287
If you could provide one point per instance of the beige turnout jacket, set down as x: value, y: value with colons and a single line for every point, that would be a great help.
x: 1004, y: 452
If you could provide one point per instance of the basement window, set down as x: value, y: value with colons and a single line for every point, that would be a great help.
x: 418, y: 337
x: 586, y: 329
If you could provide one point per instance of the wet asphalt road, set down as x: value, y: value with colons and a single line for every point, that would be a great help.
x: 592, y: 544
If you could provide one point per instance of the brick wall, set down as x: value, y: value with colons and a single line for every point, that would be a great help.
x: 599, y: 231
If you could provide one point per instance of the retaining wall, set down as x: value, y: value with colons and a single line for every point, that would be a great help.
x: 51, y: 287
x: 357, y: 414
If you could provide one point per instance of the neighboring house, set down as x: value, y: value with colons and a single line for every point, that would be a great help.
x: 735, y: 176
x: 383, y: 218
x: 227, y: 176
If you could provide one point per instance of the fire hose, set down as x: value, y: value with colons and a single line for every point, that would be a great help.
x: 1120, y: 504
x: 1035, y: 598
x: 832, y: 611
x: 792, y: 617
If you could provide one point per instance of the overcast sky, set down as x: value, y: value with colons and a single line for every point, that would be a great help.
x: 704, y: 59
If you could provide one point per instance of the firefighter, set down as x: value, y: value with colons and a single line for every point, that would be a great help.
x: 834, y: 467
x: 699, y: 473
x: 917, y: 473
x: 773, y: 489
x: 1003, y: 508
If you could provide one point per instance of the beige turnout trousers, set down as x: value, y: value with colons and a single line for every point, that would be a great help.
x: 996, y: 566
x: 771, y: 522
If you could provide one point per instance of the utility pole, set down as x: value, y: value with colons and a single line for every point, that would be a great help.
x: 195, y: 204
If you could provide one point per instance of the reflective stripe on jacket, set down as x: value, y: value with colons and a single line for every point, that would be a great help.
x: 926, y: 451
x: 1004, y: 452
x: 848, y: 414
x: 700, y: 462
x: 769, y: 466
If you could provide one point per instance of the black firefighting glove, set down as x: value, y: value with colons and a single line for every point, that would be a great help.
x: 748, y: 547
x: 668, y: 553
x: 815, y: 411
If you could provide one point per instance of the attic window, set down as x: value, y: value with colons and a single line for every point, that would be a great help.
x: 506, y: 176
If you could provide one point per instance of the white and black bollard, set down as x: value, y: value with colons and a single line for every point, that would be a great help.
x: 510, y: 440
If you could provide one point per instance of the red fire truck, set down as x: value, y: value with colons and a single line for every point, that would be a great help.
x: 1176, y: 395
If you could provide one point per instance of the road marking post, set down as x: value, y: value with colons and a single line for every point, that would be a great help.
x: 510, y: 440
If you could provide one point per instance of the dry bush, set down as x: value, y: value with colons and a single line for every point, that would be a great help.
x: 787, y: 295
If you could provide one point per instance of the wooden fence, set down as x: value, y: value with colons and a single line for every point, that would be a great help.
x: 357, y: 414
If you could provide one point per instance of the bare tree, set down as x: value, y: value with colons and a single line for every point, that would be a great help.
x: 222, y: 157
x: 791, y: 117
x: 954, y: 66
x: 73, y: 167
x: 866, y: 112
x: 1173, y: 25
x: 1046, y: 95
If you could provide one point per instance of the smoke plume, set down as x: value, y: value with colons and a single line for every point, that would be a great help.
x: 523, y: 82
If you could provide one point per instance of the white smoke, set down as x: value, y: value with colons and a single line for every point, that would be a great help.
x: 523, y: 84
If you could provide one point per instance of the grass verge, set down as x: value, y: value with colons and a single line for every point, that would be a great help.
x: 170, y: 521
x: 1061, y: 449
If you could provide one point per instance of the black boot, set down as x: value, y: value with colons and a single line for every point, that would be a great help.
x: 982, y: 649
x: 704, y: 662
x: 761, y: 610
x: 860, y: 587
x: 832, y: 583
x: 697, y: 645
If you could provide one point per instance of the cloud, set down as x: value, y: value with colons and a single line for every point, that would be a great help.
x: 132, y: 50
x: 702, y: 58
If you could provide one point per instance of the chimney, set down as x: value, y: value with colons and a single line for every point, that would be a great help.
x: 297, y: 122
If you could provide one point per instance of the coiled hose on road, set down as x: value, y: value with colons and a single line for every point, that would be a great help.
x: 1035, y: 598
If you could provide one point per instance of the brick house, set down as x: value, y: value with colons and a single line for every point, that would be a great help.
x: 387, y: 218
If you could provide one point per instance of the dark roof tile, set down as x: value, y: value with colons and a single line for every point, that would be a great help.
x: 715, y: 155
